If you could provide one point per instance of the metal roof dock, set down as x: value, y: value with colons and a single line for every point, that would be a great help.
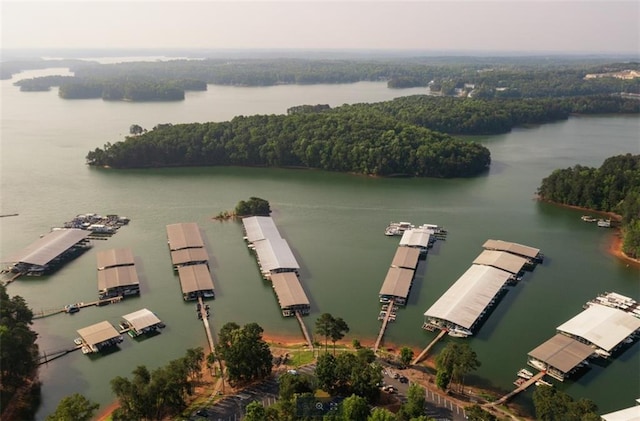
x: 189, y: 256
x: 466, y: 300
x: 184, y: 235
x: 628, y: 414
x: 605, y: 327
x: 274, y: 255
x: 397, y: 284
x: 142, y: 321
x: 406, y: 257
x: 49, y: 251
x: 98, y: 336
x: 530, y: 253
x: 195, y: 280
x: 418, y: 238
x: 114, y: 257
x: 560, y: 356
x: 290, y: 294
x: 501, y: 260
x: 258, y: 228
x: 118, y: 281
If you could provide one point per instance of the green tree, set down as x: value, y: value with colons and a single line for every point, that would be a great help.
x: 337, y: 331
x: 406, y: 355
x: 324, y: 326
x: 19, y: 351
x: 454, y: 362
x: 291, y: 384
x: 476, y: 413
x: 381, y: 414
x: 255, y: 412
x: 355, y: 408
x: 246, y: 354
x: 75, y: 407
x: 414, y: 406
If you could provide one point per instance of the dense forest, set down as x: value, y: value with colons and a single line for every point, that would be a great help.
x: 19, y: 386
x: 532, y: 77
x: 346, y: 139
x: 614, y: 187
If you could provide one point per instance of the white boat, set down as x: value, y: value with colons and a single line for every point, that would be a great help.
x: 543, y: 383
x: 77, y: 341
x: 604, y: 223
x: 86, y: 350
x: 537, y: 364
x: 458, y: 332
x: 602, y: 353
x: 525, y: 374
x: 398, y: 228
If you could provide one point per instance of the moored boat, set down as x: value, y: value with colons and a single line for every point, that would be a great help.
x: 543, y: 383
x: 525, y: 374
x: 604, y: 223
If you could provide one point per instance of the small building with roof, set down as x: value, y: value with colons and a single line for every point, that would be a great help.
x: 196, y: 281
x: 560, y: 356
x: 189, y: 256
x: 290, y: 294
x: 462, y: 306
x: 417, y: 238
x: 258, y: 228
x: 628, y: 414
x: 502, y: 260
x: 406, y: 257
x: 183, y: 236
x: 141, y: 322
x: 49, y: 252
x: 606, y: 328
x: 396, y: 285
x: 533, y: 255
x: 99, y: 336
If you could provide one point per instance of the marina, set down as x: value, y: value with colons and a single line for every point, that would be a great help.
x: 117, y: 274
x: 462, y: 308
x: 278, y: 265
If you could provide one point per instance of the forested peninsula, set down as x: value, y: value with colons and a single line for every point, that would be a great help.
x: 614, y: 187
x: 405, y: 136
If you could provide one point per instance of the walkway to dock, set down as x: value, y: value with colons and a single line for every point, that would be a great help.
x: 307, y: 337
x: 519, y: 389
x: 205, y: 321
x: 13, y: 278
x: 424, y: 352
x: 98, y: 303
x: 385, y: 321
x: 46, y: 357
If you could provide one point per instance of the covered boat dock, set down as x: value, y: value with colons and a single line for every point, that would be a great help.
x: 290, y: 294
x: 274, y: 256
x: 628, y: 414
x: 117, y: 275
x: 560, y: 356
x: 533, y: 255
x: 396, y: 285
x: 406, y: 257
x: 141, y: 322
x: 258, y: 228
x: 605, y: 328
x: 99, y: 336
x: 196, y: 281
x: 502, y: 260
x: 184, y: 235
x: 48, y: 253
x: 461, y: 307
x: 417, y: 238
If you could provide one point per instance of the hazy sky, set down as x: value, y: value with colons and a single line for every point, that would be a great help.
x: 469, y: 25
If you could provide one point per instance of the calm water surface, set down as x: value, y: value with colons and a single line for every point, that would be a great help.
x: 333, y: 222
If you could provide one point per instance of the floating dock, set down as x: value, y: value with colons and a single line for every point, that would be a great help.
x: 522, y: 387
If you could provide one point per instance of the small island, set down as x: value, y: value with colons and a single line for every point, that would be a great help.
x: 255, y: 206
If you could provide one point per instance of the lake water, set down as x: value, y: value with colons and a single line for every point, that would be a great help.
x: 333, y: 222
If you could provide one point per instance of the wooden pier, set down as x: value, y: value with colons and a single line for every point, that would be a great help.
x: 307, y: 337
x: 424, y: 352
x: 46, y: 357
x: 520, y: 388
x: 385, y: 321
x: 98, y: 303
x: 205, y: 321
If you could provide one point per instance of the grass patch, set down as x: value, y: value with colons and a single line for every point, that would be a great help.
x: 300, y: 358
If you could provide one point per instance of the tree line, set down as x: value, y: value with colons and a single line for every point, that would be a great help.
x: 345, y: 139
x: 614, y: 187
x: 514, y: 77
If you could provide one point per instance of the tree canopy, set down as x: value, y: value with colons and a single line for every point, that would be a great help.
x: 75, y: 407
x: 19, y: 351
x: 255, y: 206
x: 454, y: 362
x: 246, y: 354
x: 552, y: 404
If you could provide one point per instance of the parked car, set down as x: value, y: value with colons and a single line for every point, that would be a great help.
x: 403, y: 379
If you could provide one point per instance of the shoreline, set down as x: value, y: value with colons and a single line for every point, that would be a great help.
x: 615, y: 243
